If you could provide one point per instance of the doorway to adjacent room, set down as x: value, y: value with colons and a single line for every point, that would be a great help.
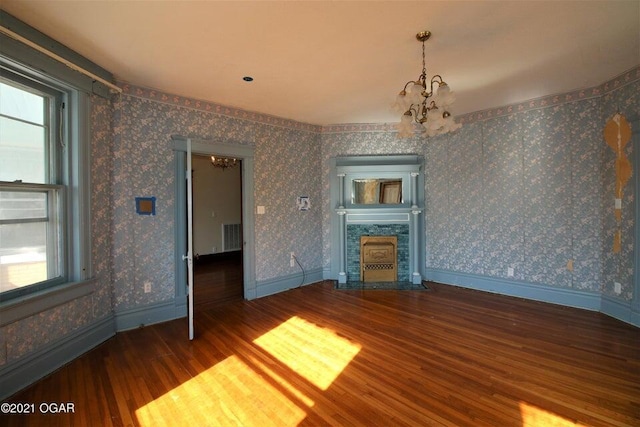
x: 217, y: 230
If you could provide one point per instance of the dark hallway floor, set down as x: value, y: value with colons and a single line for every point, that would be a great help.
x: 217, y: 280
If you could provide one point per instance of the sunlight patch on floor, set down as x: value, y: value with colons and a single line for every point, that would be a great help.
x: 317, y: 354
x: 532, y: 416
x: 229, y: 393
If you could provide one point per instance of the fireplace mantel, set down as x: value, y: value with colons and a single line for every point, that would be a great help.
x: 407, y: 169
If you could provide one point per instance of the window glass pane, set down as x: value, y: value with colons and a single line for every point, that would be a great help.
x: 21, y: 104
x: 33, y: 244
x: 22, y: 205
x: 23, y: 154
x: 23, y: 255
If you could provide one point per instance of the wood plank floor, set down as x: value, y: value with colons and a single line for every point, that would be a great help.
x: 217, y: 280
x: 319, y: 356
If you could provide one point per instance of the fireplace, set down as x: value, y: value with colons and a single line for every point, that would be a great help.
x: 378, y: 258
x: 377, y: 238
x: 356, y: 232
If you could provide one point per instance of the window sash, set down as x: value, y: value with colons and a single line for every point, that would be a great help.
x: 69, y: 160
x: 53, y: 235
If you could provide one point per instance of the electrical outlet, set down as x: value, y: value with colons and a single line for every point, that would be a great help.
x: 509, y: 271
x: 617, y: 288
x: 147, y: 287
x: 292, y: 260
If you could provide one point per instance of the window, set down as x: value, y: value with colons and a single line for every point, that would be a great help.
x: 44, y: 183
x: 31, y: 197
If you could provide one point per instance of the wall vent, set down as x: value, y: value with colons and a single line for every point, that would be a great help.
x: 231, y: 237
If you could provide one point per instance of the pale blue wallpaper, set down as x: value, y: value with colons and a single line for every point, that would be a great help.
x: 527, y: 186
x: 450, y: 161
x: 101, y: 204
x: 585, y: 192
x: 30, y: 334
x: 622, y: 96
x: 286, y: 164
x: 519, y: 191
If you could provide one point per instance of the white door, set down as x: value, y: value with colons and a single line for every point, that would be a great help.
x: 189, y: 256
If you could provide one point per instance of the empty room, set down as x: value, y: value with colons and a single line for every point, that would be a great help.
x: 302, y: 213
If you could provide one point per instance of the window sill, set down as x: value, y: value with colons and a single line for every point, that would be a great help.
x: 32, y: 304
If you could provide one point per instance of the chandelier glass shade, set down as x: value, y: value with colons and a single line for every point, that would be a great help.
x: 425, y: 102
x: 224, y: 162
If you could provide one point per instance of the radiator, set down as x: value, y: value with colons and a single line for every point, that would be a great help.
x: 231, y: 237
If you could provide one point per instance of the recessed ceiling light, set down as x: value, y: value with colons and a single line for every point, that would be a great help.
x: 247, y: 79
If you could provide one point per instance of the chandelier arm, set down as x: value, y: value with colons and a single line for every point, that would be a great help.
x: 423, y: 112
x: 435, y: 79
x: 407, y: 85
x: 417, y: 110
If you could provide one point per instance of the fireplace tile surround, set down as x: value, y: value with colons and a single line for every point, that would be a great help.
x: 355, y: 231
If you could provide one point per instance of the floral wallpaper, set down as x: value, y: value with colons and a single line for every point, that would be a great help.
x: 287, y: 164
x: 519, y: 191
x: 28, y: 335
x: 143, y: 246
x: 622, y: 95
x: 527, y: 186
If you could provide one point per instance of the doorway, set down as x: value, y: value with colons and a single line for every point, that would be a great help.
x: 183, y: 149
x: 217, y: 231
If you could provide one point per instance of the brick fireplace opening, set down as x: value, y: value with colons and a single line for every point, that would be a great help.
x: 378, y: 258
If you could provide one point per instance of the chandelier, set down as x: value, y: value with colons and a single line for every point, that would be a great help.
x: 223, y: 162
x: 427, y: 103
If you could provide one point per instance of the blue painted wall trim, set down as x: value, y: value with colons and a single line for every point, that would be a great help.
x: 150, y: 314
x: 620, y: 310
x: 283, y: 283
x: 562, y: 296
x: 16, y: 375
x: 568, y: 297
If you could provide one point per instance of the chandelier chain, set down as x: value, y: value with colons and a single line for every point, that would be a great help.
x: 424, y: 67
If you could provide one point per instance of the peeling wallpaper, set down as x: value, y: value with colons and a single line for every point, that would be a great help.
x: 619, y: 267
x: 520, y: 191
x: 529, y: 188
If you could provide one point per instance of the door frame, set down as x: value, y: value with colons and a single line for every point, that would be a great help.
x: 205, y: 147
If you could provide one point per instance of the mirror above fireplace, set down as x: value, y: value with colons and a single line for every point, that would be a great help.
x: 373, y: 191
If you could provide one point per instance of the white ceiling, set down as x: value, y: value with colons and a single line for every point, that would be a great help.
x: 329, y: 62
